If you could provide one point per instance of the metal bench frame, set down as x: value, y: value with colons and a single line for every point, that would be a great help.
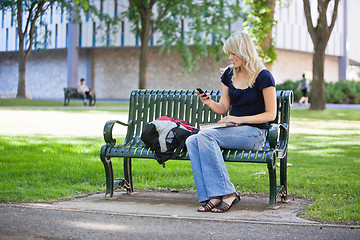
x: 147, y: 105
x: 72, y: 93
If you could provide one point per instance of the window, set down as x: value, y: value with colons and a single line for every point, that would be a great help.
x: 122, y: 33
x: 16, y: 39
x: 67, y: 33
x: 94, y: 34
x: 2, y: 18
x: 56, y: 35
x: 7, y: 39
x: 80, y: 34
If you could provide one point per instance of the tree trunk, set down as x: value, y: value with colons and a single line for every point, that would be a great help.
x: 21, y: 91
x: 266, y: 45
x: 144, y: 49
x: 318, y: 99
x: 144, y: 53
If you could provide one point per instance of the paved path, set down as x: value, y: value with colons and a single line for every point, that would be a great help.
x: 162, y: 215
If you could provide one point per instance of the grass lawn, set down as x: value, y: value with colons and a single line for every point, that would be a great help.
x: 324, y: 150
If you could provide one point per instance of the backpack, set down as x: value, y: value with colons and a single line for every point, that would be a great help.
x: 164, y: 135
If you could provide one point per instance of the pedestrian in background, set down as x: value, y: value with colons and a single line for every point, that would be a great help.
x: 304, y: 87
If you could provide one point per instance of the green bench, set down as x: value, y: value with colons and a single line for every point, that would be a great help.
x: 147, y: 105
x: 72, y: 93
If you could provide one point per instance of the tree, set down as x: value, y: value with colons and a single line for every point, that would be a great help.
x: 320, y: 35
x: 29, y: 23
x: 259, y: 25
x: 206, y: 21
x: 33, y: 9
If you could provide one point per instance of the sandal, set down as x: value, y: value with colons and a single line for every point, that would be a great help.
x: 224, y: 206
x: 208, y: 206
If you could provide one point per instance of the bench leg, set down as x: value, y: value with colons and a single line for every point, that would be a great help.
x: 272, y: 178
x: 108, y: 171
x: 283, y: 179
x: 128, y: 174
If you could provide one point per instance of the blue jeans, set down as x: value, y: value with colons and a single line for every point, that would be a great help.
x: 209, y: 169
x: 84, y: 96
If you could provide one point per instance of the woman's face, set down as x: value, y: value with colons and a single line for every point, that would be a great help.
x: 235, y: 60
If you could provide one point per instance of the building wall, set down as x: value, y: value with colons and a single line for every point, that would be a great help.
x: 290, y: 65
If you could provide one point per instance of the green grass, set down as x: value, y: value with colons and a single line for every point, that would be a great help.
x: 324, y: 154
x: 46, y: 168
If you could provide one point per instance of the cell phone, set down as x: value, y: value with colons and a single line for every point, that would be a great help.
x: 202, y: 92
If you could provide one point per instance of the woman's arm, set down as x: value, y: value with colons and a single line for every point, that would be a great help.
x: 269, y: 94
x: 223, y: 105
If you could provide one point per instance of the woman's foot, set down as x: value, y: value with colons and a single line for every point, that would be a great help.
x: 227, y: 202
x: 210, y: 204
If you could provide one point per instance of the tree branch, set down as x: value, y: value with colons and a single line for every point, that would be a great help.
x: 32, y: 27
x: 168, y: 6
x: 29, y: 17
x: 308, y: 18
x: 334, y: 16
x: 19, y: 19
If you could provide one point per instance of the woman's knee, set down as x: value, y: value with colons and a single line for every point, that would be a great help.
x: 191, y: 140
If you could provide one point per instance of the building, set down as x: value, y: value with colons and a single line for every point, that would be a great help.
x: 109, y: 63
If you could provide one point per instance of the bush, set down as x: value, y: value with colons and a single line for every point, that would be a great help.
x: 339, y: 92
x: 291, y: 85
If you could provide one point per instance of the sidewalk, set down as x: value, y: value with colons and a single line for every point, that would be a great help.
x: 331, y: 106
x: 183, y: 205
x: 162, y: 215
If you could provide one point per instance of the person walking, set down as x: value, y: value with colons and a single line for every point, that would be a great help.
x: 304, y: 87
x: 249, y: 89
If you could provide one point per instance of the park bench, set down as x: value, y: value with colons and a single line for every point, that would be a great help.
x: 147, y: 105
x: 72, y: 93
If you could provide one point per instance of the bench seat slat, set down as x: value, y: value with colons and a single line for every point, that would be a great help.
x: 141, y: 151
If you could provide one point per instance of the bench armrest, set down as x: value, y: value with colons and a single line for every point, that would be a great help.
x: 273, y: 135
x: 278, y: 138
x: 108, y: 130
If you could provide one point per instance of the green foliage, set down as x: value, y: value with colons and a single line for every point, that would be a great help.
x: 258, y: 24
x: 343, y: 92
x: 188, y: 26
x: 46, y: 168
x: 290, y: 85
x: 335, y: 92
x: 32, y: 10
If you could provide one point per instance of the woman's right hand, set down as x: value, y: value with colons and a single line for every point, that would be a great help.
x: 205, y: 98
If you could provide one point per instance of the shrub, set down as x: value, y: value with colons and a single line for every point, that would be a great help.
x: 291, y: 85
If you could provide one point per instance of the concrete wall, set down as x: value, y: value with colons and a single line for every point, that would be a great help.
x: 46, y: 73
x: 290, y: 65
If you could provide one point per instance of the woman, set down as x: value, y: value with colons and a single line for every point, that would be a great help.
x: 249, y: 89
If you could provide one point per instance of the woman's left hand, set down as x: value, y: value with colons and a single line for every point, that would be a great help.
x: 228, y: 119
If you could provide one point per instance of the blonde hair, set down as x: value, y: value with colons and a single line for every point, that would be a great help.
x: 241, y: 45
